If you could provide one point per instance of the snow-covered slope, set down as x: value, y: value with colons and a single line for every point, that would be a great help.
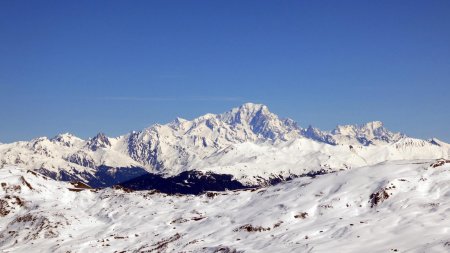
x: 248, y: 161
x: 65, y: 156
x: 173, y: 147
x: 391, y: 207
x: 248, y: 142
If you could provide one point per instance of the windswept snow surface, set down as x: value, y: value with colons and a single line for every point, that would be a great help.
x: 396, y: 206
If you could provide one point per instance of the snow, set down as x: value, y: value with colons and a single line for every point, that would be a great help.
x: 247, y: 142
x: 330, y: 213
x: 384, y: 191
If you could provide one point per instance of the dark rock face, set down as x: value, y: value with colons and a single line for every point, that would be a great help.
x: 378, y: 197
x: 439, y: 162
x: 62, y: 176
x: 317, y: 135
x: 196, y: 182
x: 135, y: 178
x: 81, y: 158
x: 104, y: 176
x: 188, y: 182
x: 145, y: 152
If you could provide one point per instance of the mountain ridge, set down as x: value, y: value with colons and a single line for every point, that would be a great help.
x: 248, y: 142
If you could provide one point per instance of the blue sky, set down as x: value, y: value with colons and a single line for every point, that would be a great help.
x: 116, y: 66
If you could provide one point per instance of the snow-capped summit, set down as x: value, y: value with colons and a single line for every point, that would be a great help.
x: 247, y: 114
x: 371, y: 133
x: 367, y: 134
x: 177, y: 121
x: 99, y: 141
x: 263, y: 123
x: 66, y: 139
x: 180, y: 142
x: 318, y: 135
x: 370, y: 130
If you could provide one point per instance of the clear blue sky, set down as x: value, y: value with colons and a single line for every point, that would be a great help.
x: 115, y: 66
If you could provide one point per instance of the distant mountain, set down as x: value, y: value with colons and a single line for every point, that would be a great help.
x: 371, y: 133
x: 249, y: 142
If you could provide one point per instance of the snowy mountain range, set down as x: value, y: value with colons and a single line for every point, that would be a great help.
x: 242, y: 181
x: 249, y: 142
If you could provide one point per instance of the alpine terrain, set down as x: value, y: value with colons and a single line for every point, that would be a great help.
x: 242, y: 181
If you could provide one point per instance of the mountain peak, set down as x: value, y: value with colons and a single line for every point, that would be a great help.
x: 247, y: 113
x: 374, y: 124
x: 357, y: 129
x: 99, y: 141
x: 63, y: 137
x: 367, y: 133
x: 177, y: 121
x: 66, y: 139
x: 253, y: 107
x: 259, y: 120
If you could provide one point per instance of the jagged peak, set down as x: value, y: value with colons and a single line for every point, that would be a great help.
x: 252, y: 109
x: 352, y: 127
x: 100, y: 136
x: 98, y: 141
x: 290, y: 122
x: 369, y: 129
x: 344, y: 130
x: 249, y: 117
x: 365, y: 134
x: 179, y: 120
x: 247, y: 113
x: 244, y: 114
x: 316, y: 134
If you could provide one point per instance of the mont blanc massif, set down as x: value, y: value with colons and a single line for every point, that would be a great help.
x: 242, y: 181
